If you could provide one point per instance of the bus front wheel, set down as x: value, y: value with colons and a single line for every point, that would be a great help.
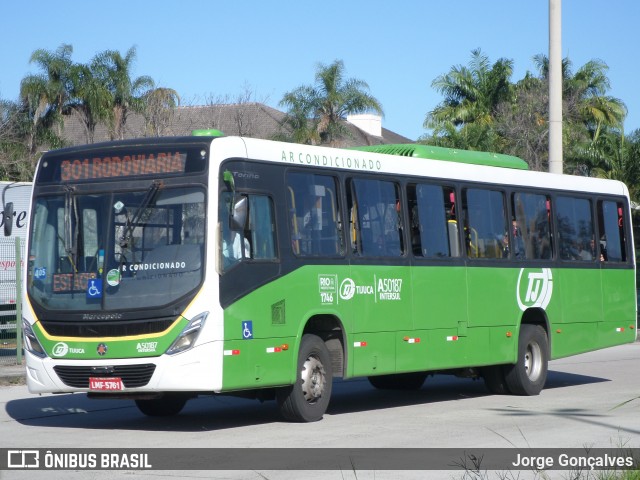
x: 307, y: 399
x: 528, y: 375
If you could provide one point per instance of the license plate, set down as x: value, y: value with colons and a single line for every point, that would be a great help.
x: 105, y: 384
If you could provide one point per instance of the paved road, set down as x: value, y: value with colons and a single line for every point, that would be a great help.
x: 579, y: 407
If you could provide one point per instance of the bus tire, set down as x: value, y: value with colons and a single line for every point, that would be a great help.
x: 307, y: 399
x: 528, y: 375
x: 165, y: 406
x: 494, y: 379
x: 399, y: 381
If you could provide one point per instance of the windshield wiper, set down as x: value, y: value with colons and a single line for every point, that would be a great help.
x: 71, y: 239
x: 134, y: 221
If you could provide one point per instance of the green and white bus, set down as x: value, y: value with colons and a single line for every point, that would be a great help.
x: 162, y: 269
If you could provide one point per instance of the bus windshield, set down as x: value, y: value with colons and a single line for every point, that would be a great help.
x: 112, y: 251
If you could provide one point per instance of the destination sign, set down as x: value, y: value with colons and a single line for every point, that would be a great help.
x: 69, y: 282
x: 122, y: 166
x: 123, y: 161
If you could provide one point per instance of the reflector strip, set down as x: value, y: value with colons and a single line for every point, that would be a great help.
x: 452, y: 339
x: 232, y: 352
x: 274, y: 349
x: 411, y: 340
x: 620, y: 329
x: 359, y: 344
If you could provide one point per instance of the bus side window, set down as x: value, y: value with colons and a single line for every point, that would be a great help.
x: 376, y: 220
x: 434, y: 230
x: 575, y: 228
x: 531, y: 232
x: 314, y: 217
x: 485, y: 223
x: 611, y: 231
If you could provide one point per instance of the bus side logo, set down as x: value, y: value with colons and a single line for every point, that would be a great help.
x: 538, y: 289
x: 347, y: 289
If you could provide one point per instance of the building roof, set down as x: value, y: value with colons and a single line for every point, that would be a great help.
x: 252, y: 119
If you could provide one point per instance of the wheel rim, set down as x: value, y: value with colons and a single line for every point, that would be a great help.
x: 313, y: 379
x: 533, y: 361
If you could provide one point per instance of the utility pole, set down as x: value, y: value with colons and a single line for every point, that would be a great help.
x: 555, y: 86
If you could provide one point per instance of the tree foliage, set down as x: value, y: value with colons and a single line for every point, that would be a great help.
x: 483, y: 110
x: 103, y: 91
x: 125, y: 94
x: 316, y: 113
x: 471, y: 93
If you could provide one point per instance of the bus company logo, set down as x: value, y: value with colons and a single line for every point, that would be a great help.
x: 347, y: 289
x: 534, y: 289
x: 60, y: 349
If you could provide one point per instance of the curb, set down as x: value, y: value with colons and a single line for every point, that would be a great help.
x: 12, y: 375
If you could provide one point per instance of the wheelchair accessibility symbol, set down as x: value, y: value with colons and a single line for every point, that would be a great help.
x: 94, y: 289
x: 247, y: 330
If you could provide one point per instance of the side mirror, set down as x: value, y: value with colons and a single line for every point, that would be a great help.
x: 8, y: 219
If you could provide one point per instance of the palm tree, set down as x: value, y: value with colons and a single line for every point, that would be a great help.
x: 45, y: 95
x: 57, y: 66
x: 127, y: 94
x: 90, y: 99
x: 299, y: 119
x: 327, y: 104
x: 584, y: 95
x: 471, y: 95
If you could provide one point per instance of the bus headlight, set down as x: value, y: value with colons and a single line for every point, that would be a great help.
x: 31, y: 342
x: 189, y: 335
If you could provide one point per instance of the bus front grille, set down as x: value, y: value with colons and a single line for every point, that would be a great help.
x: 132, y: 375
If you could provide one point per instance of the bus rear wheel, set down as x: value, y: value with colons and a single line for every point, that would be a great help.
x: 165, y: 406
x: 307, y: 399
x: 528, y: 375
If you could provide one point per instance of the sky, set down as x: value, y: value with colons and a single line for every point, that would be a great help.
x: 221, y: 50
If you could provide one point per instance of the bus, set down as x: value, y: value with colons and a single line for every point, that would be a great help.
x: 162, y: 269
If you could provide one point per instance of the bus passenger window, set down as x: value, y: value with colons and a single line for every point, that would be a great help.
x: 611, y: 232
x: 376, y: 218
x: 434, y: 232
x: 532, y: 229
x: 485, y: 223
x: 575, y: 228
x: 314, y: 217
